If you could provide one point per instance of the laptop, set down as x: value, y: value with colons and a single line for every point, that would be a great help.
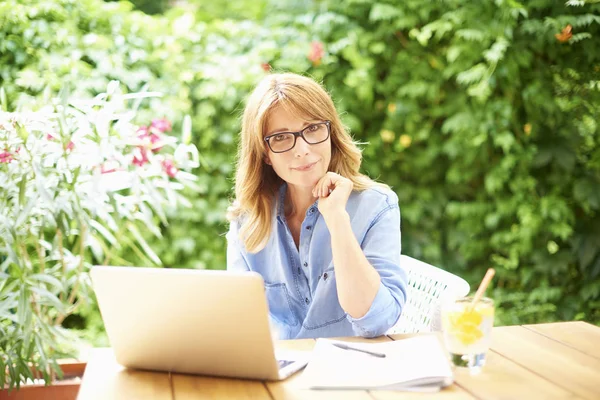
x: 191, y: 321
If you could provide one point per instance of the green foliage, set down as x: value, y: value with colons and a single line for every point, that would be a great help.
x: 78, y: 180
x: 489, y: 135
x: 149, y: 6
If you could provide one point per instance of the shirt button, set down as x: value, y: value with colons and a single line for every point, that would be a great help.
x: 306, y: 300
x: 325, y: 276
x: 308, y: 227
x: 312, y: 210
x: 305, y: 264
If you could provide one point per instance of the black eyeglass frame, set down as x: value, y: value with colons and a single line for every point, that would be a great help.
x: 299, y: 133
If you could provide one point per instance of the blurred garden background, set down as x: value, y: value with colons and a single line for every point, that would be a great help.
x: 482, y: 116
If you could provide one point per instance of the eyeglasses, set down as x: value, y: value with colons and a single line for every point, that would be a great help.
x: 312, y: 134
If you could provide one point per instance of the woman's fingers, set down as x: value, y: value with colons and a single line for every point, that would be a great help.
x: 332, y: 183
x: 317, y: 190
x: 326, y: 184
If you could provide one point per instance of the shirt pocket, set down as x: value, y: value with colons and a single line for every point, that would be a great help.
x: 280, y: 303
x: 326, y: 308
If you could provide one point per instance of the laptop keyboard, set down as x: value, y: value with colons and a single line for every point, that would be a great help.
x: 284, y: 363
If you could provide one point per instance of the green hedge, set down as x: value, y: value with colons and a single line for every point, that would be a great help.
x: 481, y: 119
x: 485, y: 123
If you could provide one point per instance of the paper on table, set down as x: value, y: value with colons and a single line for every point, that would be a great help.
x: 417, y: 363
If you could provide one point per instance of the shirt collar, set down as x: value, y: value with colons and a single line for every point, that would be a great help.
x: 281, y: 202
x: 280, y: 212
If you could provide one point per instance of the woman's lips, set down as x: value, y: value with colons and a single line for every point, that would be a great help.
x: 305, y: 167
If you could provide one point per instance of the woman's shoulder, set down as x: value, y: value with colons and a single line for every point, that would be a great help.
x: 235, y: 224
x: 372, y: 202
x: 379, y: 195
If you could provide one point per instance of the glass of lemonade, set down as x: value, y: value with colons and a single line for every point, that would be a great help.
x: 468, y: 331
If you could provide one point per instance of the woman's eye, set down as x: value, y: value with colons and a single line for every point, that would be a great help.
x: 313, y: 128
x: 280, y: 137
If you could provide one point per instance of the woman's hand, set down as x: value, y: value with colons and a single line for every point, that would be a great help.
x: 333, y: 191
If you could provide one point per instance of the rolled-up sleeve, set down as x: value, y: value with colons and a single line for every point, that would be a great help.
x: 235, y: 257
x: 382, y: 248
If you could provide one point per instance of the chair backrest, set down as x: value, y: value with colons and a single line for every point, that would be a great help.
x: 428, y: 287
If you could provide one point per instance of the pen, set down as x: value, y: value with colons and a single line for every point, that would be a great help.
x: 346, y: 347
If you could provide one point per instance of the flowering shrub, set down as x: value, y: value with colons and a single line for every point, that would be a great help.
x: 76, y: 181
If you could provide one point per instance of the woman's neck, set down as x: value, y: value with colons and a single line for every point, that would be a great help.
x: 297, y: 201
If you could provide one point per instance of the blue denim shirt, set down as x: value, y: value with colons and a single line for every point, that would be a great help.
x: 301, y: 285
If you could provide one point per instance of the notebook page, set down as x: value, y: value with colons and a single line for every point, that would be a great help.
x: 406, y: 361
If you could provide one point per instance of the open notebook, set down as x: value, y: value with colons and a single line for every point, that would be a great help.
x: 414, y: 364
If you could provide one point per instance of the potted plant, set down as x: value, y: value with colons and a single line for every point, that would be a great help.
x: 79, y: 182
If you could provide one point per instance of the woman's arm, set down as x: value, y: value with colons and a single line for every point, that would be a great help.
x: 235, y: 258
x: 357, y: 280
x: 371, y: 285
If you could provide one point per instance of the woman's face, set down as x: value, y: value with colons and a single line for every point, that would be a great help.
x: 305, y: 163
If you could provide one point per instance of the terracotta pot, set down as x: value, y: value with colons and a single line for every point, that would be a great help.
x: 64, y: 389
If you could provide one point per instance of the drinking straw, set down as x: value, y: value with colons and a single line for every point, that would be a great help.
x: 483, y: 286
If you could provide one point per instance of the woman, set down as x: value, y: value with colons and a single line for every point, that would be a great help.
x: 324, y: 237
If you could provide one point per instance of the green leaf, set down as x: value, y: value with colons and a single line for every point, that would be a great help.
x: 9, y: 287
x: 97, y: 246
x: 472, y: 35
x: 585, y: 191
x: 139, y: 99
x: 106, y: 234
x: 459, y: 122
x: 473, y: 75
x: 3, y: 381
x: 383, y: 12
x: 496, y: 52
x: 24, y: 214
x: 46, y: 297
x: 3, y: 107
x: 589, y: 247
x: 595, y: 270
x: 47, y: 278
x: 22, y: 190
x: 142, y: 242
x: 23, y: 309
x: 542, y: 157
x: 578, y: 37
x: 186, y: 131
x: 505, y: 140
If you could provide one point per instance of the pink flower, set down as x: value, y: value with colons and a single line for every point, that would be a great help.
x: 162, y: 124
x: 266, y: 67
x: 145, y: 134
x: 105, y: 169
x: 169, y: 168
x: 143, y: 131
x: 140, y: 156
x: 316, y: 52
x: 5, y: 157
x: 70, y: 145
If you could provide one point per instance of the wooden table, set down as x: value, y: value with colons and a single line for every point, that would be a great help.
x: 545, y: 361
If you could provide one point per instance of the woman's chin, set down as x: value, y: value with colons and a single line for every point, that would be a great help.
x: 306, y: 181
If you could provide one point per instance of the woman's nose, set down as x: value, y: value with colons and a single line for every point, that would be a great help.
x: 301, y: 148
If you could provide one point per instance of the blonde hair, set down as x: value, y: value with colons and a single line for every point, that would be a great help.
x: 256, y: 183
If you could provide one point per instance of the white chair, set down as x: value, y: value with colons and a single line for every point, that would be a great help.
x: 428, y: 287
